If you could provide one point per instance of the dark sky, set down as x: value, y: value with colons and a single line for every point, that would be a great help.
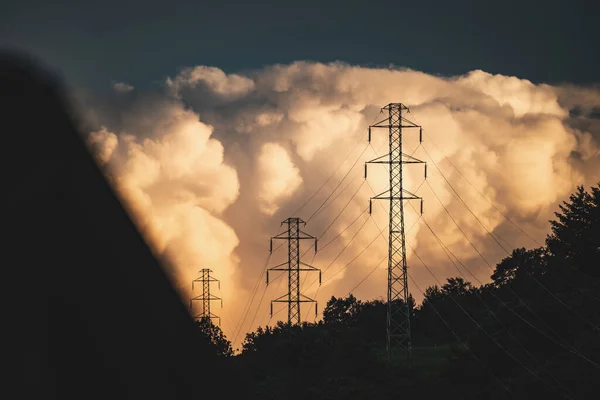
x: 141, y: 42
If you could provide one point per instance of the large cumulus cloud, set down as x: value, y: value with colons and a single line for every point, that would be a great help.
x: 215, y: 161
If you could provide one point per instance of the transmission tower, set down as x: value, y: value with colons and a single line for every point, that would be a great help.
x: 398, y: 308
x: 205, y: 298
x: 293, y: 266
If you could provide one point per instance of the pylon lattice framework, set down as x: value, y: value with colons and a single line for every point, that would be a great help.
x: 206, y: 297
x: 398, y: 333
x: 293, y: 266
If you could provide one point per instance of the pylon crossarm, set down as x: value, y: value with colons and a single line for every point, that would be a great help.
x: 396, y: 162
x: 310, y: 267
x: 413, y: 159
x: 281, y: 237
x: 399, y: 106
x: 276, y: 268
x: 299, y: 220
x: 379, y: 126
x: 410, y: 197
x: 393, y: 126
x: 294, y: 237
x: 410, y: 194
x: 206, y: 297
x: 306, y: 235
x: 379, y: 195
x: 200, y: 317
x: 375, y: 160
x: 279, y: 299
x: 306, y: 298
x: 410, y: 122
x: 396, y: 198
x: 376, y: 124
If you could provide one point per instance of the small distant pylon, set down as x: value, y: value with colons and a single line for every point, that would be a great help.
x: 293, y: 268
x: 205, y: 298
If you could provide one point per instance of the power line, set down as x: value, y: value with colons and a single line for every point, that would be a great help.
x: 351, y: 261
x: 328, y: 179
x: 368, y: 275
x: 343, y: 249
x: 585, y: 292
x: 512, y: 291
x: 320, y: 208
x: 491, y: 337
x: 336, y: 257
x: 548, y: 271
x: 502, y: 247
x: 241, y: 321
x: 358, y: 135
x: 248, y: 305
x: 344, y: 230
x: 261, y: 300
x: 338, y: 185
x: 377, y: 266
x: 449, y: 252
x: 465, y: 345
x: 469, y: 316
x: 336, y: 196
x: 495, y: 239
x: 572, y: 350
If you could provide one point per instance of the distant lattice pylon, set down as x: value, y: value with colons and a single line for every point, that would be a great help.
x: 293, y: 266
x: 205, y: 298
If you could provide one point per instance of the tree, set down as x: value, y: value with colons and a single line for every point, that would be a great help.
x: 342, y: 310
x: 521, y: 262
x: 575, y: 237
x: 432, y: 293
x: 456, y: 287
x: 213, y: 334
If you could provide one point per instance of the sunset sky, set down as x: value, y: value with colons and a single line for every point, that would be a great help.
x: 218, y: 121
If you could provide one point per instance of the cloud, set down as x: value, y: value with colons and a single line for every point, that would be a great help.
x: 121, y: 87
x: 215, y: 163
x: 172, y: 173
x: 279, y: 177
x: 215, y: 80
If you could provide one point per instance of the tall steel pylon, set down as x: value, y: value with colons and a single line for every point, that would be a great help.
x: 293, y: 266
x: 205, y: 298
x: 398, y: 309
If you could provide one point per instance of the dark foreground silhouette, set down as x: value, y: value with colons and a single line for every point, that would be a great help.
x: 88, y: 312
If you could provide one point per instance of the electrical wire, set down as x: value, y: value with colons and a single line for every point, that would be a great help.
x: 465, y: 345
x: 359, y: 134
x: 474, y: 321
x: 503, y: 248
x: 499, y: 211
x: 570, y: 349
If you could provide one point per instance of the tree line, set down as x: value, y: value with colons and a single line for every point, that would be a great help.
x: 532, y: 331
